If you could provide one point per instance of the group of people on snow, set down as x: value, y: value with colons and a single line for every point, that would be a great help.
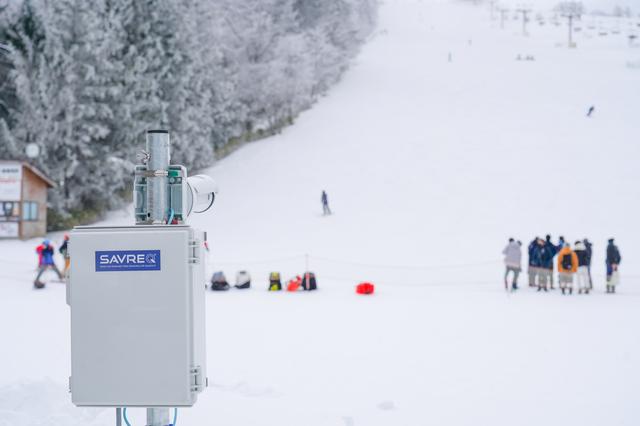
x: 46, y: 260
x: 573, y: 263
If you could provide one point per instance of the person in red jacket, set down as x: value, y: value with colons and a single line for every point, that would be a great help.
x: 567, y: 267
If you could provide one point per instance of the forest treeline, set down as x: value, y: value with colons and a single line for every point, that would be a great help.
x: 84, y: 79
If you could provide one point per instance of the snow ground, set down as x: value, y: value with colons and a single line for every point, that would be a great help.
x: 430, y: 166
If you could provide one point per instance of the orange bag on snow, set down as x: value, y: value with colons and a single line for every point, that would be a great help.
x: 294, y: 284
x: 365, y: 288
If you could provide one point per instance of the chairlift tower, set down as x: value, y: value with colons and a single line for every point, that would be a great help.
x: 503, y: 16
x: 525, y: 18
x: 137, y: 296
x: 571, y: 14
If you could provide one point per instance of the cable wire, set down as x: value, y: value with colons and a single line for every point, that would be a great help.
x: 124, y: 415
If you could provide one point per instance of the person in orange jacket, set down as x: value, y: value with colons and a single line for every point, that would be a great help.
x: 567, y: 267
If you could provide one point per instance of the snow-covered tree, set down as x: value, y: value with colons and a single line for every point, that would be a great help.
x: 90, y: 77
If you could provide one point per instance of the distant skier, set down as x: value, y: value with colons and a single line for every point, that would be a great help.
x: 513, y: 262
x: 567, y: 267
x: 591, y: 110
x: 325, y: 204
x: 45, y: 256
x: 64, y: 251
x: 613, y: 262
x: 582, y: 275
x: 589, y: 249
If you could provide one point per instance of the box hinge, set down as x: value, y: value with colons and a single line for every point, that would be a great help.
x: 197, y: 381
x: 194, y: 251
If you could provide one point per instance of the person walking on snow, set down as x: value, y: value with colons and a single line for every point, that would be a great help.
x: 591, y: 110
x: 582, y: 275
x: 45, y: 256
x: 613, y: 262
x: 513, y: 262
x: 64, y: 251
x: 567, y: 266
x: 325, y: 203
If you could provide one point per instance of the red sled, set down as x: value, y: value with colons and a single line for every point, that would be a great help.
x: 365, y: 288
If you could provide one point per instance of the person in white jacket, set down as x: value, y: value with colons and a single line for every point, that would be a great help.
x: 513, y: 262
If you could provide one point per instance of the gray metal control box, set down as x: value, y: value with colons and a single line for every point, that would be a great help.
x: 137, y: 298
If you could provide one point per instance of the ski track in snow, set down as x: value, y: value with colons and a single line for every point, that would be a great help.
x: 426, y: 163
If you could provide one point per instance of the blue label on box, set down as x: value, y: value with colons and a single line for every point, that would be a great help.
x: 128, y: 260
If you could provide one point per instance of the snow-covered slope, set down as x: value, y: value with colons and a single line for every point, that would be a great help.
x: 430, y: 166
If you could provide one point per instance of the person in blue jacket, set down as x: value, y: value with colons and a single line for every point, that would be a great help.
x: 534, y: 261
x: 547, y: 252
x: 45, y: 261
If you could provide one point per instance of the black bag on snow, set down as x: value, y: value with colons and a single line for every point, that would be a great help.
x: 309, y: 281
x: 219, y: 282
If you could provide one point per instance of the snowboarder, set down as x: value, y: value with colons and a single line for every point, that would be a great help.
x: 325, y: 203
x: 567, y: 266
x: 589, y: 248
x: 582, y: 276
x: 534, y: 261
x: 613, y: 261
x: 513, y: 262
x: 591, y: 110
x: 64, y: 251
x: 45, y: 258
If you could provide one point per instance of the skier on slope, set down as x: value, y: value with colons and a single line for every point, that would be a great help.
x: 64, y: 251
x: 45, y: 256
x: 582, y: 275
x: 534, y: 261
x: 567, y: 267
x: 513, y: 262
x: 589, y: 249
x: 613, y: 262
x: 325, y: 203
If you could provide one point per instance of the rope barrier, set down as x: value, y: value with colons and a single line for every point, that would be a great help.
x: 360, y: 264
x: 405, y: 267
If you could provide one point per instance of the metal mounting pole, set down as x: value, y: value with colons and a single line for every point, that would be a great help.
x: 158, y: 165
x: 158, y: 416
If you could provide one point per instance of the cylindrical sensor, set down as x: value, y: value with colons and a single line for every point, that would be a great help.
x: 158, y: 146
